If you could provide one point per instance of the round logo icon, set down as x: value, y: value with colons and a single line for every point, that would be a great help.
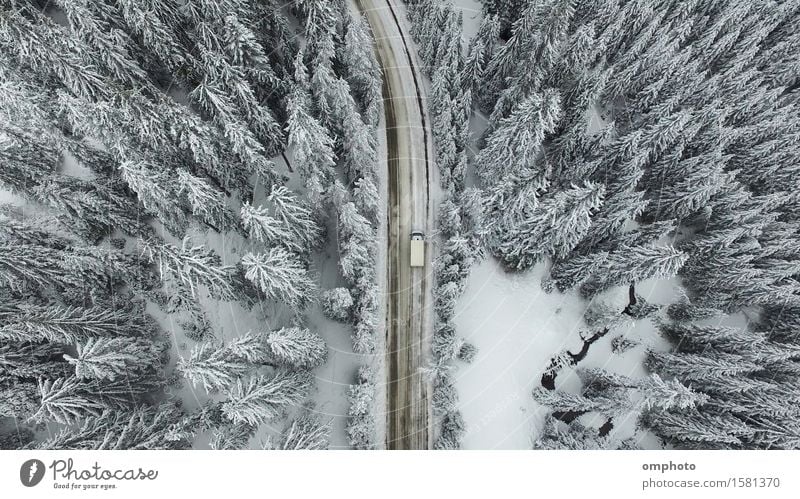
x: 31, y: 472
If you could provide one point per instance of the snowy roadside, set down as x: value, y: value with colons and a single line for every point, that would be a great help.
x: 379, y: 359
x: 518, y: 328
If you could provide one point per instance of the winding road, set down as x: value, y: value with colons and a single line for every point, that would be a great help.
x: 408, y: 314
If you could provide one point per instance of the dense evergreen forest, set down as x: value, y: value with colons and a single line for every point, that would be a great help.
x: 161, y: 159
x: 136, y: 135
x: 627, y: 140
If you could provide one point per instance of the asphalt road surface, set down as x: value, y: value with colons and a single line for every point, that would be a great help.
x: 408, y: 311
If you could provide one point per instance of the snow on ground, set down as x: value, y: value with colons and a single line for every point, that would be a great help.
x: 7, y: 197
x: 334, y: 377
x: 231, y: 320
x: 72, y: 167
x: 629, y: 363
x: 379, y: 359
x: 471, y: 10
x: 518, y: 328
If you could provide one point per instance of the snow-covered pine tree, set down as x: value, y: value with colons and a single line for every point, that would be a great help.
x: 41, y: 44
x: 306, y: 432
x: 367, y: 198
x: 296, y: 215
x: 361, y: 418
x: 453, y: 430
x: 156, y: 27
x: 264, y: 228
x: 24, y: 265
x: 337, y: 304
x: 191, y: 266
x: 23, y: 322
x: 156, y: 193
x: 113, y: 358
x: 515, y: 144
x: 480, y: 51
x: 215, y: 367
x: 297, y: 347
x: 509, y: 57
x: 143, y: 428
x: 629, y: 265
x: 206, y: 202
x: 701, y: 367
x: 362, y: 69
x: 210, y: 367
x: 576, y: 436
x: 91, y: 209
x: 280, y: 276
x: 540, y: 58
x: 359, y: 142
x: 555, y: 227
x: 311, y: 144
x: 262, y: 398
x: 232, y: 437
x: 65, y: 401
x: 696, y: 429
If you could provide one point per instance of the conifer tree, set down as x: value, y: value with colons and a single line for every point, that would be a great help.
x: 263, y: 227
x: 216, y: 367
x: 297, y: 347
x: 262, y: 398
x: 231, y: 437
x: 63, y: 401
x: 629, y: 265
x: 156, y: 193
x: 337, y: 304
x: 367, y: 198
x: 32, y: 265
x: 310, y: 142
x: 205, y: 201
x: 554, y: 229
x: 296, y: 216
x: 696, y: 428
x: 575, y: 437
x: 112, y: 358
x: 280, y: 276
x: 361, y: 423
x: 67, y: 324
x: 515, y: 144
x: 155, y: 25
x: 191, y: 266
x: 94, y: 24
x: 143, y: 428
x: 46, y: 48
x: 208, y: 367
x: 701, y: 367
x: 304, y: 433
x: 363, y: 72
